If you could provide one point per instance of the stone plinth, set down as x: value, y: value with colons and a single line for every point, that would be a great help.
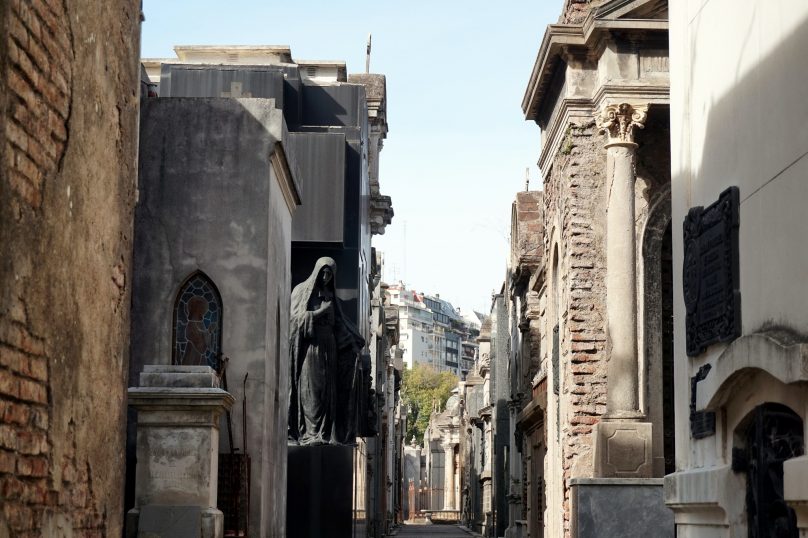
x: 178, y: 408
x: 623, y: 449
x: 320, y: 491
x: 619, y: 508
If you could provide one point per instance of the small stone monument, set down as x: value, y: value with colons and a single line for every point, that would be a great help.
x: 179, y: 408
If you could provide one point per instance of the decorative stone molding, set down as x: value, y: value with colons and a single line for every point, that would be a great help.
x: 701, y: 496
x: 618, y: 121
x: 780, y: 354
x: 623, y: 449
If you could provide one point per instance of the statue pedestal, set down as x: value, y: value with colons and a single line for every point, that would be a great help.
x: 179, y: 408
x: 320, y: 491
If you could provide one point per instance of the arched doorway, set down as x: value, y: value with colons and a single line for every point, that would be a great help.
x: 657, y: 300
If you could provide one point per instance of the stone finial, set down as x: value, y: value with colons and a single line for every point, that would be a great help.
x: 619, y: 120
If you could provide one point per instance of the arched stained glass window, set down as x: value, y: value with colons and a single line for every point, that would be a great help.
x: 198, y: 323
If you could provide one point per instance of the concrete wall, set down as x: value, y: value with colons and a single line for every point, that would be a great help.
x: 210, y: 201
x: 738, y: 116
x: 68, y: 138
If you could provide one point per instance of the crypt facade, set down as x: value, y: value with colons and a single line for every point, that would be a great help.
x: 596, y: 311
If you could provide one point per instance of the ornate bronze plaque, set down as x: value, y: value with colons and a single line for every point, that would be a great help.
x: 710, y: 279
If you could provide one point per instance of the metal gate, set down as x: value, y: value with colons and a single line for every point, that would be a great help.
x: 773, y: 436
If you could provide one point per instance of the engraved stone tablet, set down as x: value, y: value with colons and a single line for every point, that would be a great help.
x: 710, y: 279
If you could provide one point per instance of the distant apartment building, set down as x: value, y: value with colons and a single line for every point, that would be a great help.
x: 433, y: 332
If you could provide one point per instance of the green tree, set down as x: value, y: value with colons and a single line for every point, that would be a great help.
x: 421, y: 388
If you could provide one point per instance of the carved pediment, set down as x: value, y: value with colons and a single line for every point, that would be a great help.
x: 634, y: 9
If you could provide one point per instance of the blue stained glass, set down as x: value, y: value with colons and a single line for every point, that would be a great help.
x: 197, y: 323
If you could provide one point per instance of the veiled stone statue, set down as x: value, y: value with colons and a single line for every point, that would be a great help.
x: 325, y: 363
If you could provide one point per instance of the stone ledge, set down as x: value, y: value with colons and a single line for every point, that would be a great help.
x: 175, y: 376
x: 699, y: 496
x: 170, y: 399
x: 655, y: 482
x: 175, y: 369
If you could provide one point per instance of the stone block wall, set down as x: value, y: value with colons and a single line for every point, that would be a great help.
x: 68, y: 133
x: 575, y: 216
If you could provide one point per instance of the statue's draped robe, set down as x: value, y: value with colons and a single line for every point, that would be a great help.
x: 322, y: 404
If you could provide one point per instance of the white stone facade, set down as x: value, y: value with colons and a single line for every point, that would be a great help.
x: 738, y: 119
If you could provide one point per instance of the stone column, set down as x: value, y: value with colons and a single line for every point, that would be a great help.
x: 458, y: 500
x: 623, y: 441
x: 448, y: 477
x: 514, y: 473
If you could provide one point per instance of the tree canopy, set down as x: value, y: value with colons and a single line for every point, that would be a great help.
x: 422, y: 387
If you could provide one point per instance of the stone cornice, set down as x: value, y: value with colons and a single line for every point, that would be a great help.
x: 645, y: 93
x: 381, y: 213
x: 566, y: 112
x: 574, y: 110
x: 531, y: 416
x: 559, y: 37
x: 537, y: 281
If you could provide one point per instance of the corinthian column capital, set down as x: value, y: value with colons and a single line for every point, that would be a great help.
x: 619, y: 120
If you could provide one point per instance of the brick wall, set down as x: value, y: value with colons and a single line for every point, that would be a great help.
x: 574, y: 203
x: 68, y: 117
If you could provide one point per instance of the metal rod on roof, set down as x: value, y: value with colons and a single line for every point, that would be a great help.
x: 367, y: 55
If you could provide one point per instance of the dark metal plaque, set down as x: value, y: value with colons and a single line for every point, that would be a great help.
x: 710, y: 273
x: 702, y: 424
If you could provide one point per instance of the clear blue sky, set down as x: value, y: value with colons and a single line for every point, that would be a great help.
x: 458, y: 144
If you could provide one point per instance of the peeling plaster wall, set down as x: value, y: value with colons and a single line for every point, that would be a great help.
x: 68, y: 124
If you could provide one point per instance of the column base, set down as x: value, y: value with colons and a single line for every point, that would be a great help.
x: 623, y: 448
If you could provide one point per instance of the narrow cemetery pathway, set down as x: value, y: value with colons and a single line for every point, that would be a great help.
x: 443, y: 531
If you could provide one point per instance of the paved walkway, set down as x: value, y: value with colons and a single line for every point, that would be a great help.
x: 441, y: 531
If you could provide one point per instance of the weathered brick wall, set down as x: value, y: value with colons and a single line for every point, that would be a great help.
x: 527, y: 247
x: 527, y: 243
x: 574, y: 201
x: 68, y: 133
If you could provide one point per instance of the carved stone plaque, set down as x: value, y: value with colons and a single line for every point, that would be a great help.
x: 710, y: 279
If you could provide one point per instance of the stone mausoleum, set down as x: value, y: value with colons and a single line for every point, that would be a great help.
x: 591, y: 308
x: 253, y: 166
x: 739, y: 166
